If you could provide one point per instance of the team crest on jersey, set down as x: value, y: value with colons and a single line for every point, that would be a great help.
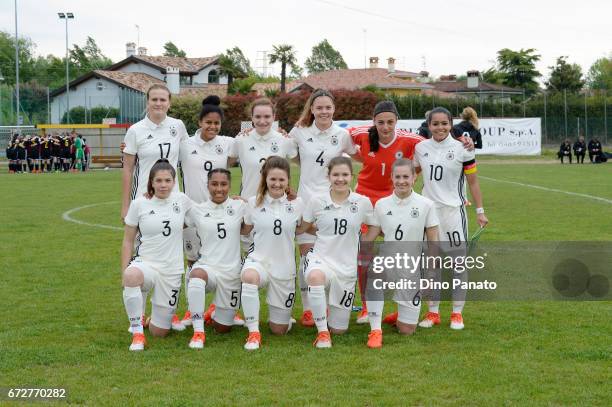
x: 207, y: 215
x: 354, y: 207
x: 289, y: 208
x: 252, y: 148
x: 450, y: 156
x: 310, y: 140
x: 188, y: 245
x: 219, y: 149
x: 414, y: 212
x: 371, y: 154
x: 194, y: 152
x: 230, y: 211
x: 176, y: 208
x: 328, y: 207
x: 274, y: 148
x: 426, y: 155
x: 334, y: 140
x: 399, y: 155
x: 173, y: 131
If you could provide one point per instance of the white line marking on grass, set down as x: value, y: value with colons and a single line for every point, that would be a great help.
x: 596, y: 198
x: 66, y: 216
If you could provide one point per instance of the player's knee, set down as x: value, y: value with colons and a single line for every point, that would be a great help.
x: 250, y: 276
x: 316, y: 277
x: 158, y: 332
x: 221, y: 329
x: 132, y: 277
x: 277, y: 329
x: 406, y: 329
x: 337, y: 331
x: 304, y: 248
x: 199, y: 273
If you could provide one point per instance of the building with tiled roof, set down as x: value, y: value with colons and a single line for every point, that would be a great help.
x: 123, y: 84
x: 474, y: 87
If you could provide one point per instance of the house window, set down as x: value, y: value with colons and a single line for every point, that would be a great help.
x: 186, y: 80
x: 213, y: 76
x: 99, y: 85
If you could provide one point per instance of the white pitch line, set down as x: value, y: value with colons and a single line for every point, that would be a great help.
x: 596, y: 198
x: 66, y: 216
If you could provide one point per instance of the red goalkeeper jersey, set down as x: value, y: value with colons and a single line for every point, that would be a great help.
x: 374, y: 180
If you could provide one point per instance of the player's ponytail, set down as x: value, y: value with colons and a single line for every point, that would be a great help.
x: 271, y: 163
x: 160, y: 165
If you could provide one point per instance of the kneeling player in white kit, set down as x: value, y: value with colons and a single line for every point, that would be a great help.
x: 270, y: 262
x: 402, y: 217
x: 338, y: 216
x: 446, y: 165
x: 217, y: 223
x: 158, y: 262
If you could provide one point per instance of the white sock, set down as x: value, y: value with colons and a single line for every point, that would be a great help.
x: 132, y: 299
x: 186, y: 280
x: 303, y: 285
x: 434, y: 306
x: 458, y: 306
x: 250, y: 306
x: 375, y: 309
x: 196, y: 296
x: 318, y: 306
x: 145, y: 295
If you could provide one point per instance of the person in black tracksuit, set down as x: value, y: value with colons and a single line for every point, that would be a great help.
x: 21, y: 155
x: 594, y: 149
x: 468, y: 127
x: 580, y: 150
x: 11, y: 155
x: 423, y: 131
x: 565, y: 150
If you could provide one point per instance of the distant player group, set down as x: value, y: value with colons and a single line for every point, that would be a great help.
x: 325, y: 218
x: 49, y: 153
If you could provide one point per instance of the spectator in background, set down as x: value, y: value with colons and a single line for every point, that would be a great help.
x: 468, y: 127
x: 87, y: 151
x: 565, y: 151
x: 580, y: 150
x: 423, y: 131
x: 594, y: 149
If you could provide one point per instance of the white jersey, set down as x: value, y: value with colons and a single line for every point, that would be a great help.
x: 149, y: 142
x: 160, y: 223
x: 197, y: 158
x: 316, y: 148
x: 252, y: 150
x: 274, y: 224
x: 443, y: 164
x: 218, y: 227
x: 338, y: 228
x: 405, y: 219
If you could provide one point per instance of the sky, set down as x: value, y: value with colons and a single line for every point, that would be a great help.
x: 450, y: 38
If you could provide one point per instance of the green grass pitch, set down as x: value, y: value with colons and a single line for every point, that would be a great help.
x: 64, y: 325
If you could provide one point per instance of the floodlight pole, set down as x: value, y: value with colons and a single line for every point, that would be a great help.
x: 16, y: 66
x: 66, y: 16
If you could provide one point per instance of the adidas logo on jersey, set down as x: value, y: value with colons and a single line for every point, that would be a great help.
x: 152, y: 213
x: 252, y: 148
x: 310, y: 140
x: 207, y: 215
x: 150, y: 137
x: 426, y: 155
x: 389, y: 213
x: 327, y: 208
x: 194, y: 152
x: 263, y: 210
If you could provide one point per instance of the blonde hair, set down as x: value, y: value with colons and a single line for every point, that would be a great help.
x: 159, y: 86
x: 271, y: 163
x: 307, y: 118
x: 470, y: 115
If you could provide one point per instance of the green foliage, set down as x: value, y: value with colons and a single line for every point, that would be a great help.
x: 285, y: 55
x: 171, y: 50
x: 492, y: 75
x: 7, y: 62
x: 186, y: 108
x: 565, y: 76
x: 242, y: 86
x: 94, y: 115
x: 600, y: 74
x: 235, y: 65
x: 88, y: 57
x: 324, y: 58
x: 518, y: 68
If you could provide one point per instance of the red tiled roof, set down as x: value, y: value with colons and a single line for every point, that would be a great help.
x: 136, y: 80
x: 185, y: 65
x: 360, y: 78
x: 461, y: 86
x: 201, y: 91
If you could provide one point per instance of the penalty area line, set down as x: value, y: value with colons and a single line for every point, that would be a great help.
x: 595, y: 198
x: 68, y: 218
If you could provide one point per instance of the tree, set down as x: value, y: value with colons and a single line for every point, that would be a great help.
x: 88, y: 58
x: 235, y: 65
x: 518, y: 69
x: 171, y: 50
x: 324, y: 58
x: 564, y: 76
x: 285, y: 54
x: 492, y: 75
x: 7, y: 62
x: 600, y: 74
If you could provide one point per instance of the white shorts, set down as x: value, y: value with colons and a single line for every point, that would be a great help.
x: 225, y: 285
x: 166, y: 289
x: 191, y: 244
x: 340, y: 290
x: 279, y: 293
x: 453, y: 225
x: 305, y: 238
